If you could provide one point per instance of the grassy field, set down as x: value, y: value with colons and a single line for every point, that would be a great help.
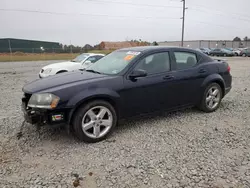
x: 44, y: 56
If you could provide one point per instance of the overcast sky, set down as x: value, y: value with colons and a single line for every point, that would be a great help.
x: 93, y: 21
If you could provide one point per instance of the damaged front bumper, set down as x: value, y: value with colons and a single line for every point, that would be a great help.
x: 43, y: 116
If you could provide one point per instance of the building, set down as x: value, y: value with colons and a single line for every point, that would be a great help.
x: 208, y: 44
x: 28, y: 46
x: 118, y: 45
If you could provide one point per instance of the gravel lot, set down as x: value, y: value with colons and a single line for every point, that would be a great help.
x: 182, y: 149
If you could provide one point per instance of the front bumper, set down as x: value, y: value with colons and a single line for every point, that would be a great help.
x: 43, y: 116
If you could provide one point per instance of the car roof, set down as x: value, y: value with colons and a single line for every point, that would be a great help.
x: 149, y: 48
x: 146, y: 49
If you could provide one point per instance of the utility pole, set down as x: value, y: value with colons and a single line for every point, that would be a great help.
x: 183, y: 21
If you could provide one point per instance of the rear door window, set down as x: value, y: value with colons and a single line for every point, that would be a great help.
x: 185, y: 60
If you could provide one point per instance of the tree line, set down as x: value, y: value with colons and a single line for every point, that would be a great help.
x: 239, y: 39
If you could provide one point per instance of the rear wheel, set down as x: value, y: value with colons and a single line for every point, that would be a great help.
x: 224, y: 55
x: 244, y: 55
x: 211, y: 98
x: 94, y: 121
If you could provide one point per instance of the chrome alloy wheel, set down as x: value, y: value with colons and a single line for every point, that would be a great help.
x: 213, y: 97
x: 97, y: 122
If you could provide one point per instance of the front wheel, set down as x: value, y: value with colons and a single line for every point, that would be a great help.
x: 211, y: 98
x: 94, y: 121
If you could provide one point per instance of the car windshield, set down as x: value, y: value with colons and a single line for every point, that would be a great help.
x: 226, y: 50
x: 79, y: 58
x: 113, y: 63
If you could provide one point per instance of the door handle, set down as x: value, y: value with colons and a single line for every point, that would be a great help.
x: 168, y: 77
x: 202, y: 71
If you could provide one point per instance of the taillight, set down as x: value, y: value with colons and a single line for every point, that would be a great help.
x: 228, y: 68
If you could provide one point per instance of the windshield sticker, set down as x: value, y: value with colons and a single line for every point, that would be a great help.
x: 128, y: 57
x: 133, y: 53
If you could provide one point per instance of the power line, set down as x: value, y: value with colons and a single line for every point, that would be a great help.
x: 208, y: 23
x: 221, y: 14
x: 168, y: 6
x: 134, y: 4
x: 212, y: 9
x: 164, y: 6
x: 103, y: 15
x: 81, y: 14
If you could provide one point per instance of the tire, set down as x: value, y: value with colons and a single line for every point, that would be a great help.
x: 204, y: 104
x: 89, y: 113
x: 244, y: 55
x: 225, y: 55
x: 62, y: 71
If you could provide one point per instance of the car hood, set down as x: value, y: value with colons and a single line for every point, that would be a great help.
x: 59, y: 80
x: 65, y: 64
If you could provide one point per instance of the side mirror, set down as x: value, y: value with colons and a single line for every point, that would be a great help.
x: 137, y: 74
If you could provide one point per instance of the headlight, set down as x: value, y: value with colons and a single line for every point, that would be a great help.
x: 43, y: 100
x: 47, y: 71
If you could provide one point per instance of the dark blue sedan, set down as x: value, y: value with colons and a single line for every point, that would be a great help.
x: 126, y: 83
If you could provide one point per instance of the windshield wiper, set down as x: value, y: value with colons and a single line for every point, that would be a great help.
x: 90, y: 70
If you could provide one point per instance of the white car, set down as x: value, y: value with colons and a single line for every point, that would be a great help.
x: 237, y: 52
x: 80, y: 62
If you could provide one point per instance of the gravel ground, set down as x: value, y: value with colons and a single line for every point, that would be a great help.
x: 181, y: 149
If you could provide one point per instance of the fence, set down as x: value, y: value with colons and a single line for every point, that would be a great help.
x: 208, y: 44
x: 43, y: 50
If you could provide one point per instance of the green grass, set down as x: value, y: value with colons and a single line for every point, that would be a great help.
x: 36, y: 57
x: 19, y: 56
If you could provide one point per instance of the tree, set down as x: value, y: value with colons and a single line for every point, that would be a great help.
x: 237, y: 39
x: 155, y: 43
x: 246, y: 38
